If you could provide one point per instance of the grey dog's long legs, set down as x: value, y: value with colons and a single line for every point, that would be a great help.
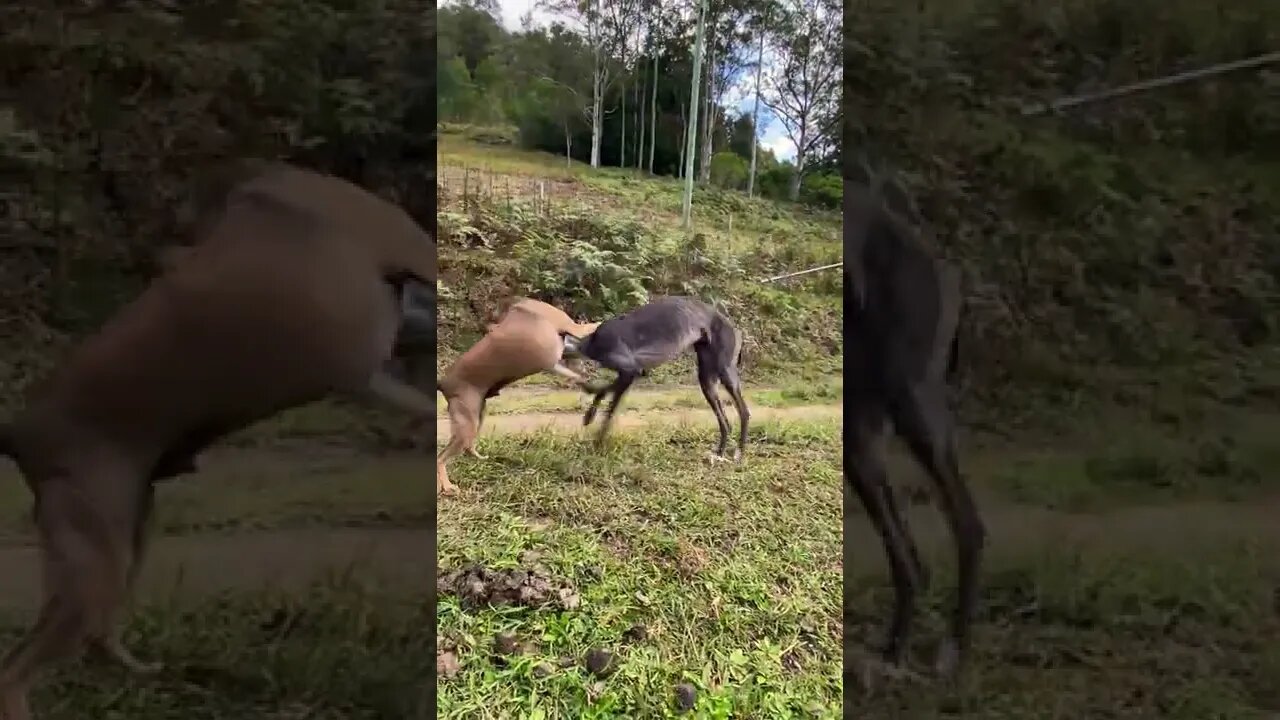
x: 620, y: 387
x: 707, y: 377
x: 865, y: 472
x: 925, y: 422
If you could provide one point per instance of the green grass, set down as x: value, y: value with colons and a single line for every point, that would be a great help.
x: 1099, y: 631
x: 1127, y: 576
x: 538, y: 397
x: 1131, y: 573
x: 332, y: 632
x: 340, y: 651
x: 733, y: 571
x: 1230, y: 456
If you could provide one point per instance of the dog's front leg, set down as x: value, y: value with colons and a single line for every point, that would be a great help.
x: 599, y: 391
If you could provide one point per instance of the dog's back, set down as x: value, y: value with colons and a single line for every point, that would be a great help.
x: 273, y: 308
x: 522, y: 343
x: 655, y: 332
x: 554, y: 315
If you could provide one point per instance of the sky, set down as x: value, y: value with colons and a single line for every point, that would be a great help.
x: 741, y: 95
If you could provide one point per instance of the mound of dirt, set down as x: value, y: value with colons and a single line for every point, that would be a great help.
x: 477, y: 585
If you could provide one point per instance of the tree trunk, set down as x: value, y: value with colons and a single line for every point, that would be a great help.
x: 709, y: 118
x: 653, y: 113
x: 684, y: 136
x: 755, y: 119
x: 622, y: 136
x: 568, y: 147
x: 598, y: 74
x: 640, y: 125
x: 687, y: 214
x: 793, y: 191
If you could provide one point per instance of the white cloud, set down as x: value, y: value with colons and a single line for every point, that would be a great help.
x: 777, y: 141
x: 513, y: 10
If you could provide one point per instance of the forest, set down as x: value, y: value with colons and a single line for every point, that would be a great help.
x: 610, y: 83
x: 111, y: 112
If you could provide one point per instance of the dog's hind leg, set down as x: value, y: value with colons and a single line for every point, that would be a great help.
x: 729, y: 378
x: 727, y: 347
x: 85, y: 547
x: 923, y: 419
x: 484, y: 402
x: 707, y: 375
x: 463, y: 428
x: 111, y: 644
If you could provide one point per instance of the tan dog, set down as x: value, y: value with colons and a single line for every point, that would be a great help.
x: 525, y: 341
x: 289, y: 296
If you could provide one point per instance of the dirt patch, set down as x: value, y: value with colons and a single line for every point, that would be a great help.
x: 475, y: 586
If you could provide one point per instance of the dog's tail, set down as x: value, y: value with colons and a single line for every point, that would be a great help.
x: 953, y: 358
x: 737, y: 347
x: 727, y: 336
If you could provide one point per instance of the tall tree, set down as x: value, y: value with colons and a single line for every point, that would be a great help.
x: 695, y: 84
x: 804, y: 79
x: 762, y: 30
x: 592, y: 20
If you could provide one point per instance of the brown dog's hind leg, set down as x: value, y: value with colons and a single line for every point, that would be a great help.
x: 479, y: 423
x: 463, y: 428
x: 85, y: 547
x: 111, y: 644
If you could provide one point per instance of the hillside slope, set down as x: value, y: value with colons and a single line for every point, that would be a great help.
x: 599, y: 242
x: 1126, y: 251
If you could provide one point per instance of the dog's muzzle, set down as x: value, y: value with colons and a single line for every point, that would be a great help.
x: 417, y: 315
x: 571, y: 344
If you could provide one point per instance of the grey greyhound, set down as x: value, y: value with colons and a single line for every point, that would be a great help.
x: 902, y: 309
x: 659, y: 332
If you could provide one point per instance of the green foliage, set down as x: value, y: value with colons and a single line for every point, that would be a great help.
x: 1137, y: 235
x: 540, y: 80
x: 823, y: 190
x: 111, y: 115
x: 619, y: 242
x: 729, y: 170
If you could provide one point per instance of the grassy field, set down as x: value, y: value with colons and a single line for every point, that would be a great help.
x: 644, y: 581
x: 283, y: 582
x: 1130, y: 575
x: 720, y: 581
